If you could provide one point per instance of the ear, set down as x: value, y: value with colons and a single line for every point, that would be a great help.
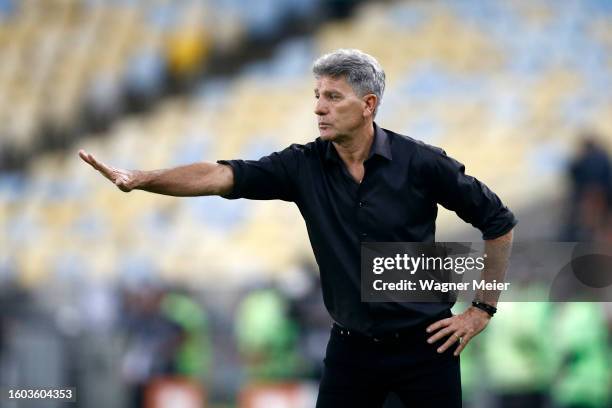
x: 370, y: 101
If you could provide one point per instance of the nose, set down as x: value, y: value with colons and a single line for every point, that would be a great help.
x: 320, y: 107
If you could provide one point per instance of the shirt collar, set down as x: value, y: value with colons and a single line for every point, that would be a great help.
x: 380, y: 146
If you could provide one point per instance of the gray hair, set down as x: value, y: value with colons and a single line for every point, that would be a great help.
x: 361, y: 71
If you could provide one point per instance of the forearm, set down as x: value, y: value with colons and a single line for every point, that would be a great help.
x: 197, y: 179
x: 464, y: 326
x: 498, y: 254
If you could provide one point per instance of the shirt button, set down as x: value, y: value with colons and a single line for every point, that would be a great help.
x: 363, y: 234
x: 361, y: 204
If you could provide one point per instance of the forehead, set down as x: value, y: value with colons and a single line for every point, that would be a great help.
x: 328, y: 83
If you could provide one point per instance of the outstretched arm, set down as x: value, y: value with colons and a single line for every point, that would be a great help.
x: 197, y: 179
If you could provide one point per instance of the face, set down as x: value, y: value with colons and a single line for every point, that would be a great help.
x: 340, y: 111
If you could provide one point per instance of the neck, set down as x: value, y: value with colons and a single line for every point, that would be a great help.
x: 356, y: 147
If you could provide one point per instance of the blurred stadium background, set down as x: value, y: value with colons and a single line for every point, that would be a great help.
x: 144, y: 300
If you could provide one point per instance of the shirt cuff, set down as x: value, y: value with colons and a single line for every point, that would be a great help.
x: 500, y: 230
x: 237, y: 170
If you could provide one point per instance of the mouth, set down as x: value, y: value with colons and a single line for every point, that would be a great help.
x: 324, y: 125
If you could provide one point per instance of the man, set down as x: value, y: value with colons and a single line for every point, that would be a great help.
x: 356, y: 183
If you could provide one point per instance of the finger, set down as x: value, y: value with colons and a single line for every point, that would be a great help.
x: 464, y: 341
x: 441, y: 334
x: 94, y: 162
x: 89, y: 159
x: 107, y: 171
x: 85, y: 157
x: 449, y: 342
x: 439, y: 324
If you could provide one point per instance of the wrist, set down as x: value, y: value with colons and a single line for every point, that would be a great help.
x: 484, y: 307
x: 142, y: 179
x: 479, y: 312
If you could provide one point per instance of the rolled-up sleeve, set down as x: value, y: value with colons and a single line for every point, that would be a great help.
x: 471, y: 199
x: 269, y: 178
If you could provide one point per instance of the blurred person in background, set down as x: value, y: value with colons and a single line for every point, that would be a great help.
x: 356, y: 183
x: 583, y: 373
x: 590, y: 174
x: 524, y: 376
x: 152, y: 340
x: 303, y: 289
x: 267, y: 336
x: 194, y: 352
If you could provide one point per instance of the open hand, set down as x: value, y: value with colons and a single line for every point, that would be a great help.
x: 125, y: 180
x: 459, y: 328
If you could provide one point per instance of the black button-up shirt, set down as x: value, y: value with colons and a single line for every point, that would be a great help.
x: 396, y: 201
